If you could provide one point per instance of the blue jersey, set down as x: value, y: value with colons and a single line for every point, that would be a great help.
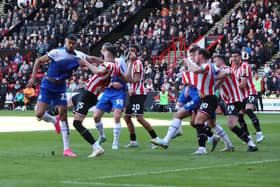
x: 60, y: 68
x: 192, y: 99
x: 113, y: 98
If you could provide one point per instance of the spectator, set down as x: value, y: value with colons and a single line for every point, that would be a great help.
x: 149, y: 85
x: 24, y: 68
x: 164, y: 97
x: 29, y: 98
x: 3, y: 92
x: 266, y: 70
x: 19, y: 101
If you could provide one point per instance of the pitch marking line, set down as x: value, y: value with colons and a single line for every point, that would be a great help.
x: 17, y: 124
x: 114, y: 184
x: 162, y: 172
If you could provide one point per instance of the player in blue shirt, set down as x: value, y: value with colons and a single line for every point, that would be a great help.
x: 192, y: 103
x: 62, y: 62
x: 112, y: 98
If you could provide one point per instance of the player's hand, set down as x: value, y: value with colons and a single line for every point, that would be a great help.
x: 30, y: 82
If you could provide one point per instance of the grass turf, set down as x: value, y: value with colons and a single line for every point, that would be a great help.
x: 26, y: 160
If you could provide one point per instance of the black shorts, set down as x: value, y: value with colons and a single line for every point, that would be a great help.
x: 84, y: 101
x: 252, y: 99
x: 234, y: 108
x: 209, y: 105
x: 135, y: 105
x: 222, y: 105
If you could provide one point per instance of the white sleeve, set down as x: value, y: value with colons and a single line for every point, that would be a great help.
x: 81, y: 55
x: 53, y: 54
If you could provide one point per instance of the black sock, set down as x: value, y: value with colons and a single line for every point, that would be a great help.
x: 152, y: 133
x: 243, y: 124
x: 254, y: 119
x: 201, y: 135
x: 208, y: 131
x: 240, y: 133
x: 84, y: 132
x: 133, y: 137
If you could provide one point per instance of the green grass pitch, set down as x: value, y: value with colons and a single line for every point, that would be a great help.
x: 26, y: 160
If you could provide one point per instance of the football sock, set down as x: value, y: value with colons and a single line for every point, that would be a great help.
x: 152, y: 133
x: 240, y: 133
x: 254, y: 119
x: 48, y: 118
x: 174, y: 126
x: 95, y: 146
x: 133, y: 137
x: 117, y: 131
x: 201, y: 135
x: 243, y: 124
x: 100, y: 129
x: 65, y: 134
x: 208, y: 131
x: 221, y: 132
x: 83, y: 132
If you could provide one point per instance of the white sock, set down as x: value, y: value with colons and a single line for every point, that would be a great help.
x: 95, y: 146
x: 251, y: 143
x: 179, y: 130
x: 221, y: 132
x: 117, y: 131
x: 174, y: 126
x: 100, y: 129
x: 65, y: 134
x: 48, y: 118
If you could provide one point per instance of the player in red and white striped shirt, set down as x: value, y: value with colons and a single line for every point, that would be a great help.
x: 137, y: 96
x: 244, y: 75
x: 88, y: 98
x: 207, y: 74
x: 138, y: 87
x: 230, y: 93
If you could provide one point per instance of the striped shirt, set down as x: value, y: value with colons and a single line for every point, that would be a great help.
x: 207, y: 79
x: 244, y: 71
x: 189, y: 78
x: 139, y: 86
x: 98, y: 82
x: 229, y: 89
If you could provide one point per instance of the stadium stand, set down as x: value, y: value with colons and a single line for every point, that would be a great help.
x: 252, y: 26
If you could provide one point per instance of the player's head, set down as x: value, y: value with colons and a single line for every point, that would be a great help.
x: 133, y: 48
x: 106, y: 44
x: 219, y: 60
x: 201, y: 56
x: 71, y: 42
x: 110, y: 52
x: 236, y: 57
x: 193, y: 50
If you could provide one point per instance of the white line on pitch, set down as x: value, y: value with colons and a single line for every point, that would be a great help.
x: 186, y: 169
x: 160, y: 172
x: 114, y: 184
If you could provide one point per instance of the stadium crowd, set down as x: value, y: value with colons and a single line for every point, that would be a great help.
x: 254, y: 27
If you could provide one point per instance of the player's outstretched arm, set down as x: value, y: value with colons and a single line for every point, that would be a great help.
x: 223, y: 73
x: 38, y: 62
x: 94, y: 59
x: 127, y: 76
x: 94, y: 69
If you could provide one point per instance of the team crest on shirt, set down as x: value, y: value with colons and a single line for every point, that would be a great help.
x: 136, y: 68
